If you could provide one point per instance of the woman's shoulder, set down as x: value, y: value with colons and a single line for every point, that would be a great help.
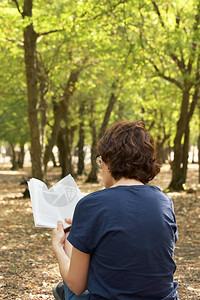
x: 95, y: 195
x: 98, y: 198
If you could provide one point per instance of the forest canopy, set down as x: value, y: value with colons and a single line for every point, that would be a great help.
x: 69, y: 69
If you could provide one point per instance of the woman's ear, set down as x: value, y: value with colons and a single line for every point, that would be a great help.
x: 107, y: 177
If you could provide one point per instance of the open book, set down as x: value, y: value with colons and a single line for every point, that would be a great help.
x: 56, y: 203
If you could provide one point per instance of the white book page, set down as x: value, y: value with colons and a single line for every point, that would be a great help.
x: 54, y: 204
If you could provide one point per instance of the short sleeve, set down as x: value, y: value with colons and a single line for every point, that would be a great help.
x: 86, y: 225
x: 175, y: 226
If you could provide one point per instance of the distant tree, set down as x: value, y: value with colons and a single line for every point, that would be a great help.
x: 172, y: 48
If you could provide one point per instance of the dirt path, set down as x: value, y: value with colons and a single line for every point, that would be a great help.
x: 28, y: 268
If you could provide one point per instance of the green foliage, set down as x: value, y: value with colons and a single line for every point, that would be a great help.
x: 115, y: 43
x: 13, y: 100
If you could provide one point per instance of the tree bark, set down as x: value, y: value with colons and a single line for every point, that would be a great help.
x: 64, y: 143
x: 180, y: 163
x: 21, y: 155
x: 160, y: 157
x: 177, y: 175
x: 81, y: 142
x: 68, y: 151
x: 199, y: 155
x: 185, y: 153
x: 60, y: 113
x: 53, y: 159
x: 43, y: 88
x: 30, y: 38
x: 62, y: 154
x: 92, y: 177
x: 110, y: 107
x: 14, y: 158
x: 199, y: 144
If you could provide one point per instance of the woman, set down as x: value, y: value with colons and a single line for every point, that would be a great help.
x: 121, y: 243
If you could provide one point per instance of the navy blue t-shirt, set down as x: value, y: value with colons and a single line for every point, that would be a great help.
x: 130, y: 232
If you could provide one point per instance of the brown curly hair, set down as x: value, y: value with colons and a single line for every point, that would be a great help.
x: 128, y: 150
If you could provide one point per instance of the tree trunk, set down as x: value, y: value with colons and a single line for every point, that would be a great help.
x: 43, y: 88
x: 81, y: 141
x: 199, y: 144
x: 92, y: 177
x: 14, y: 158
x: 53, y: 159
x: 68, y: 152
x: 62, y: 153
x: 199, y: 155
x: 21, y: 155
x: 111, y: 104
x: 60, y: 113
x: 30, y: 37
x: 177, y: 174
x: 185, y: 153
x: 187, y: 127
x: 160, y: 157
x: 65, y: 141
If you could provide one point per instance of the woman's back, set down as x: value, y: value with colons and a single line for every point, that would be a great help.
x: 129, y: 232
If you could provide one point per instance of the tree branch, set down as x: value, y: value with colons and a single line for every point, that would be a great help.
x: 109, y: 10
x: 180, y: 63
x: 156, y: 8
x: 168, y: 78
x: 17, y: 5
x: 48, y: 32
x: 178, y: 19
x: 20, y: 44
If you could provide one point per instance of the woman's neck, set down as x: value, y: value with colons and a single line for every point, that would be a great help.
x: 127, y: 181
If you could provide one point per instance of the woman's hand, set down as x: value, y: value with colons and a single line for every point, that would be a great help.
x: 58, y: 237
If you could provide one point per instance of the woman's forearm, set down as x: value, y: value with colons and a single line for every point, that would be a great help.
x: 68, y: 247
x: 63, y: 261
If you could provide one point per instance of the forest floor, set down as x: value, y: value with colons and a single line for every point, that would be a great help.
x: 28, y: 267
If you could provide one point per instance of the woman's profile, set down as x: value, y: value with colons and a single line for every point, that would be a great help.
x: 121, y: 243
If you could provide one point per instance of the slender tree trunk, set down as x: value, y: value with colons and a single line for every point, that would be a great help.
x: 160, y: 157
x: 177, y: 174
x: 30, y: 37
x: 187, y: 127
x: 199, y: 155
x: 43, y: 88
x: 199, y: 145
x: 81, y: 156
x: 68, y: 151
x: 14, y: 158
x: 120, y: 110
x: 92, y: 177
x: 21, y: 155
x: 60, y: 113
x: 110, y: 107
x: 53, y: 159
x: 62, y: 154
x: 185, y: 153
x: 64, y: 143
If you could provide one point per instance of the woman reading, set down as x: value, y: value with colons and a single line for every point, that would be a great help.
x: 121, y: 243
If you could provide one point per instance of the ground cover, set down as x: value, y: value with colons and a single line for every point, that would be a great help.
x: 28, y: 268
